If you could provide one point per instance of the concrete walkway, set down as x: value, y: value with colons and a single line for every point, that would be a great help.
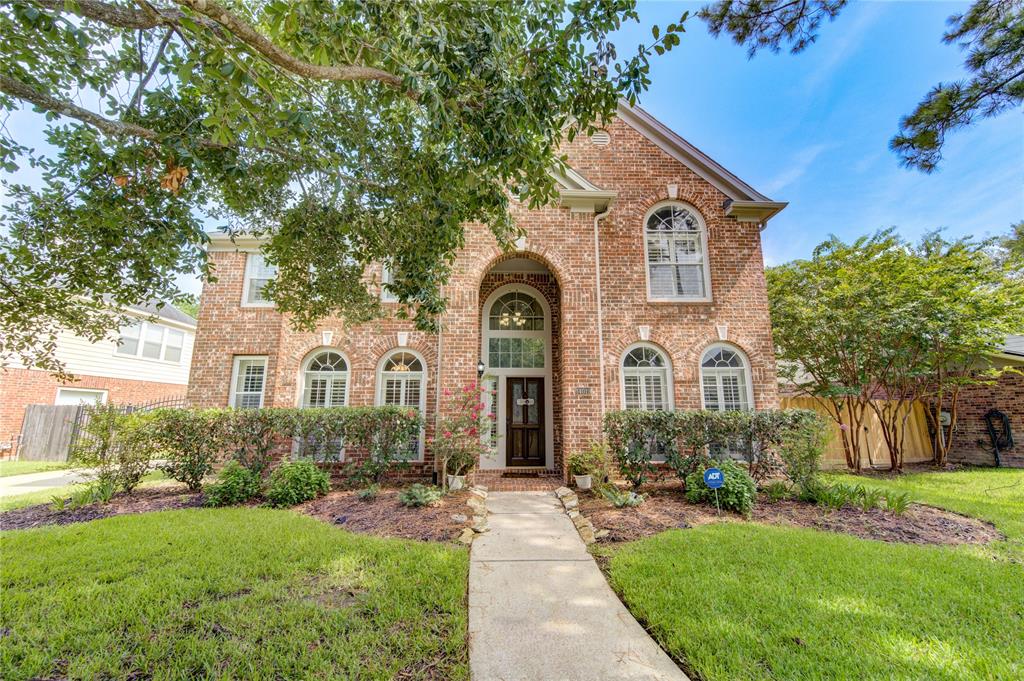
x: 12, y: 485
x: 539, y: 607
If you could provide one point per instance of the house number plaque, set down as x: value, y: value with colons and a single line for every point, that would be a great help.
x: 525, y: 402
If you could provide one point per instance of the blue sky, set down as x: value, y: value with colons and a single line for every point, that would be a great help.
x: 813, y: 129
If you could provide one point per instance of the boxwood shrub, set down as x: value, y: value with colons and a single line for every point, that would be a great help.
x: 235, y: 485
x: 736, y: 494
x: 296, y: 482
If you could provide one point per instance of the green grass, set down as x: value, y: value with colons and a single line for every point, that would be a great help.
x: 742, y: 601
x: 46, y: 495
x: 8, y: 468
x: 229, y: 593
x: 993, y: 494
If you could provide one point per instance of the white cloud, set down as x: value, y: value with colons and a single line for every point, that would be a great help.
x: 802, y: 161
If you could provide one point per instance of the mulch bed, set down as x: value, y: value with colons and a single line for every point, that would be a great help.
x: 143, y: 500
x: 385, y: 516
x: 667, y: 508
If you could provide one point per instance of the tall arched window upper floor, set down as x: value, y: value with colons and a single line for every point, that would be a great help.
x: 675, y: 252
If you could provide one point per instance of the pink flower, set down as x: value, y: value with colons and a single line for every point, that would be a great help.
x: 472, y: 431
x: 490, y: 415
x: 843, y: 426
x: 447, y: 433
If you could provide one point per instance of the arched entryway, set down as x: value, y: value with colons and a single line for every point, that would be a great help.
x: 521, y: 351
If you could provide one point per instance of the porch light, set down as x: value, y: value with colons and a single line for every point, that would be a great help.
x: 480, y: 369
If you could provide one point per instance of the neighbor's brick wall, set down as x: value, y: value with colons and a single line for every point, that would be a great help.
x: 22, y: 387
x: 1007, y: 395
x: 640, y: 173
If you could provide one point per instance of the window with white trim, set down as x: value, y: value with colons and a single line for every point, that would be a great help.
x: 258, y: 273
x: 387, y: 277
x: 646, y: 383
x: 325, y: 381
x: 80, y: 396
x: 726, y: 380
x: 674, y: 245
x: 248, y: 380
x: 151, y: 341
x: 401, y: 383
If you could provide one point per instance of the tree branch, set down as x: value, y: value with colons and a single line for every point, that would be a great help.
x: 137, y: 97
x: 258, y: 42
x: 25, y: 92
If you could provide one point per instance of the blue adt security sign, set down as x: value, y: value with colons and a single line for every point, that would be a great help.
x: 713, y: 478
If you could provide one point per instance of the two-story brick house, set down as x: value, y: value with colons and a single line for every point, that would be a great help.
x: 643, y: 288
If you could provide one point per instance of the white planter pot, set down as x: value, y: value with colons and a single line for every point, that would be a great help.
x: 456, y: 482
x: 583, y: 481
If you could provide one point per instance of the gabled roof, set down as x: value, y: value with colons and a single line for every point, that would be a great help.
x: 744, y: 202
x: 164, y: 311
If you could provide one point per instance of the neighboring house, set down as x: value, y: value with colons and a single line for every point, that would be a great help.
x: 643, y: 288
x: 972, y: 441
x: 147, y: 361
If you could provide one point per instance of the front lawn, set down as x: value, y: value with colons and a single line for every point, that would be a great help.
x: 993, y: 494
x: 230, y: 593
x: 45, y: 496
x: 8, y: 468
x: 745, y: 601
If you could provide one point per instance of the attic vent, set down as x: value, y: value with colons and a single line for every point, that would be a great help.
x: 600, y: 138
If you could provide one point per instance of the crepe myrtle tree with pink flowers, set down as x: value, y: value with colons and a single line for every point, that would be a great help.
x: 459, y: 443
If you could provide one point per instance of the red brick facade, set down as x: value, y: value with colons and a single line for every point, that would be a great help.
x: 22, y: 387
x: 642, y: 174
x: 971, y: 443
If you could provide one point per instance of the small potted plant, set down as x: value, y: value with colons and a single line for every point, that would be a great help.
x: 459, y: 464
x: 585, y: 464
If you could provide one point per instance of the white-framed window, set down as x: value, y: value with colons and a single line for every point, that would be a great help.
x: 325, y: 380
x: 258, y: 273
x: 248, y: 382
x: 675, y: 248
x: 80, y: 396
x: 725, y: 379
x: 401, y: 381
x: 151, y: 341
x: 387, y: 277
x: 516, y: 336
x: 646, y: 379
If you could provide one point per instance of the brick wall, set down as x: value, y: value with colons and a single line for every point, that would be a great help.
x: 22, y: 387
x: 1007, y: 395
x: 563, y: 241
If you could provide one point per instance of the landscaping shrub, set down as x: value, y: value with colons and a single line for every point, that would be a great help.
x: 368, y: 493
x: 738, y: 493
x: 235, y: 485
x: 319, y: 432
x: 636, y: 437
x: 802, y: 444
x: 296, y: 482
x: 897, y: 503
x: 621, y: 499
x: 250, y: 434
x: 420, y: 495
x: 118, y: 446
x: 591, y: 461
x: 386, y: 433
x: 777, y: 491
x: 191, y: 441
x: 459, y: 442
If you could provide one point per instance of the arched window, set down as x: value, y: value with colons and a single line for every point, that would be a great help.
x: 325, y: 380
x: 516, y: 334
x: 674, y: 244
x: 646, y: 379
x: 725, y: 376
x: 401, y: 382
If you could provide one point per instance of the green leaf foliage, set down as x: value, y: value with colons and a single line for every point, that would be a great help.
x: 737, y: 493
x: 346, y: 133
x: 235, y: 485
x: 296, y: 482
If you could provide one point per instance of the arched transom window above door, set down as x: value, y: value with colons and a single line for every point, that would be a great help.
x: 725, y: 376
x: 516, y: 332
x: 325, y: 380
x: 646, y: 379
x: 675, y: 245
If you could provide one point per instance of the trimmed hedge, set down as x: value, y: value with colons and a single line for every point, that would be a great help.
x: 787, y: 441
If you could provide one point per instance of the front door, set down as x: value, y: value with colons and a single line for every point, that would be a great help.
x: 524, y: 421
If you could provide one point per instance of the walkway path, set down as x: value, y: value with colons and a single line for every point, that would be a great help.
x: 539, y: 607
x: 34, y: 482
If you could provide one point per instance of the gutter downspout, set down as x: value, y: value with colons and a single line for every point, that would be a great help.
x: 600, y: 314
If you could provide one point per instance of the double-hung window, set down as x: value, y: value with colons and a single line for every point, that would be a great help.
x: 258, y: 273
x: 151, y: 341
x: 401, y: 383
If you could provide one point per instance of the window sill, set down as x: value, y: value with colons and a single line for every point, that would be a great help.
x: 680, y: 301
x: 264, y: 306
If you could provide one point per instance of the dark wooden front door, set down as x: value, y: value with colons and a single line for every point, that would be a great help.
x: 524, y: 421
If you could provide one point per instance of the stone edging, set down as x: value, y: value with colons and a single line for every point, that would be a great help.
x: 478, y: 502
x: 571, y: 504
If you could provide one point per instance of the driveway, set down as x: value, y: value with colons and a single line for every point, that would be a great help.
x: 14, y: 485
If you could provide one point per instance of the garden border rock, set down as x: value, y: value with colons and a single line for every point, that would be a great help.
x: 571, y: 504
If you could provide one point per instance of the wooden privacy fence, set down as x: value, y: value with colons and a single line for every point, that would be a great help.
x: 49, y: 432
x: 917, y: 446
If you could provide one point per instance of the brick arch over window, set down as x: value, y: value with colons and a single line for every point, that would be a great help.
x: 551, y: 259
